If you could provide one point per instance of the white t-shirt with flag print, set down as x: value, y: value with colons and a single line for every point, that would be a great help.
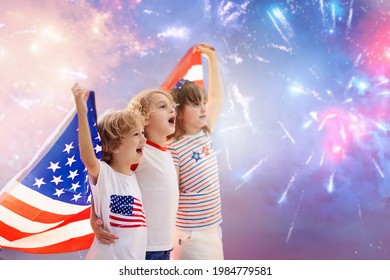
x: 117, y: 200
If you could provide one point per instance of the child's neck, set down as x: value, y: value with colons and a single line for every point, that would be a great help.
x: 192, y: 131
x: 157, y: 139
x: 120, y: 168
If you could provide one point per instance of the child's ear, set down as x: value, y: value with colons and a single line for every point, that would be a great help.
x: 146, y: 122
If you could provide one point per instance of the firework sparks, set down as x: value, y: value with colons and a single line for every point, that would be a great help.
x: 286, y: 132
x: 290, y: 230
x: 283, y: 198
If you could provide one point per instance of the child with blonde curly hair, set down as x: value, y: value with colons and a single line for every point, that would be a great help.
x: 116, y: 195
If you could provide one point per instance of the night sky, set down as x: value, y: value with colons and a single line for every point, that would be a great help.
x: 303, y: 139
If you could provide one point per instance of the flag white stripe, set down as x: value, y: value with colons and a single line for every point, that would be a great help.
x: 20, y: 223
x: 195, y: 73
x: 43, y: 202
x: 72, y: 230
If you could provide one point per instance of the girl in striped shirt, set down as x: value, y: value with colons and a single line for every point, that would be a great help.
x: 198, y: 233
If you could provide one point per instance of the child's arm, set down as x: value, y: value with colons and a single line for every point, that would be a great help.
x: 89, y: 159
x: 87, y: 153
x: 215, y: 88
x: 104, y: 236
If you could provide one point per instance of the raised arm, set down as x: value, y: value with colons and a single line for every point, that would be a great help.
x: 215, y: 88
x: 87, y: 153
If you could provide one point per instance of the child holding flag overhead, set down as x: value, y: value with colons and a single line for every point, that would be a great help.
x: 198, y: 234
x: 116, y: 194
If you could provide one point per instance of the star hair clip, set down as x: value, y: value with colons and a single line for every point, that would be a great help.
x: 179, y: 85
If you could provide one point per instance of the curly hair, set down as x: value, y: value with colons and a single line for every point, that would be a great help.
x: 142, y: 102
x: 113, y: 127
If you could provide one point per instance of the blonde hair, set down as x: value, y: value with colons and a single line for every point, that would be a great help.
x: 187, y: 93
x: 142, y: 102
x: 113, y: 127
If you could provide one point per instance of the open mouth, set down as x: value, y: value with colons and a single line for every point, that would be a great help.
x: 172, y: 120
x: 140, y: 151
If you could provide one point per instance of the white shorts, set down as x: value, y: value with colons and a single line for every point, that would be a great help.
x: 199, y: 244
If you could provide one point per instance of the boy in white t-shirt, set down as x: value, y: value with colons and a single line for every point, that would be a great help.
x: 156, y: 175
x: 116, y: 194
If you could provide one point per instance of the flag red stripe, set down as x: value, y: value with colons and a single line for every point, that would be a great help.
x: 130, y: 219
x: 83, y: 215
x: 136, y: 203
x: 29, y: 212
x: 71, y: 245
x: 12, y: 234
x: 128, y: 226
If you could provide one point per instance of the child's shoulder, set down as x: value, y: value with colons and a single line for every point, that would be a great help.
x: 171, y: 143
x: 177, y: 144
x: 188, y: 140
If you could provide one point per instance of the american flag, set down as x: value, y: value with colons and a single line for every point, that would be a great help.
x: 126, y: 212
x: 46, y: 207
x: 189, y: 68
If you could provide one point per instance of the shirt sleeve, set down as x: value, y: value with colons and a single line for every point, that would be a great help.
x: 175, y: 156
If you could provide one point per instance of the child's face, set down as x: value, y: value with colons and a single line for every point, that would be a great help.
x: 193, y: 117
x: 131, y: 148
x: 162, y: 119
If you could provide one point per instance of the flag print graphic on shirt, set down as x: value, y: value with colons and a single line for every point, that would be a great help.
x: 126, y: 212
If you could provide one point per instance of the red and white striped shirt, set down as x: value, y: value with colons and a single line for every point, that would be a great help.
x: 199, y: 199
